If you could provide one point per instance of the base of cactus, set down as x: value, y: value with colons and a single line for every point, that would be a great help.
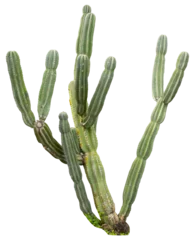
x: 111, y: 225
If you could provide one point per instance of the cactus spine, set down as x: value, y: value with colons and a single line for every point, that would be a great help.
x: 146, y: 144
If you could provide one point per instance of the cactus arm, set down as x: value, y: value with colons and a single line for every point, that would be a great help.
x: 82, y: 63
x: 158, y: 70
x: 176, y: 78
x: 74, y: 169
x: 86, y: 9
x: 85, y: 38
x: 48, y: 82
x: 81, y: 82
x: 101, y: 91
x: 19, y: 89
x: 143, y: 152
x: 145, y: 146
x: 85, y: 35
x: 41, y: 129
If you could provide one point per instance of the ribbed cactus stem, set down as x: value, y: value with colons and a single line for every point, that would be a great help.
x: 81, y: 82
x: 96, y: 177
x: 74, y: 169
x: 176, y: 78
x: 158, y: 70
x: 82, y: 63
x: 86, y: 31
x: 85, y: 36
x: 19, y: 89
x: 146, y: 144
x: 143, y: 152
x: 95, y: 172
x: 100, y: 94
x: 48, y: 83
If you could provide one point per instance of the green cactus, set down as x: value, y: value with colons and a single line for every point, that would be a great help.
x: 79, y: 143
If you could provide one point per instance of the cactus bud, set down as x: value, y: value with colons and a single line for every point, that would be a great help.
x: 64, y: 126
x: 86, y: 9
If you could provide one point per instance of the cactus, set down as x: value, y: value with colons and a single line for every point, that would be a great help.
x: 79, y: 144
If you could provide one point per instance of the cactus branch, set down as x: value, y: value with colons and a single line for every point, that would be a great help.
x: 41, y: 129
x: 158, y: 70
x: 146, y: 144
x: 74, y: 169
x: 47, y: 87
x: 81, y: 82
x: 101, y: 91
x: 19, y: 89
